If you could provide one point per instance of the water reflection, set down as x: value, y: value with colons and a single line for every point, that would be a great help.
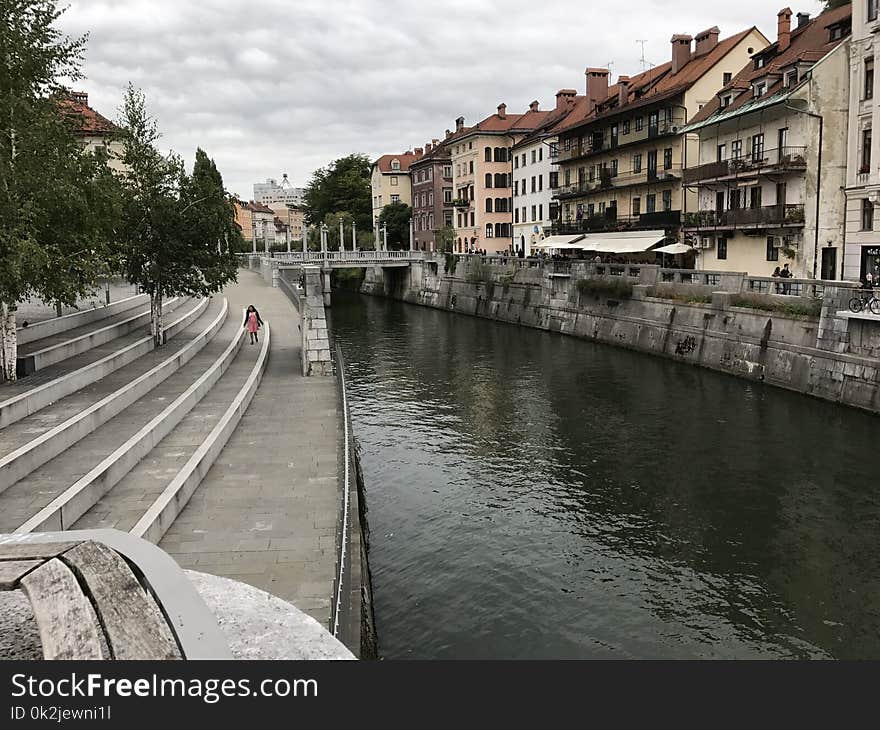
x: 534, y: 495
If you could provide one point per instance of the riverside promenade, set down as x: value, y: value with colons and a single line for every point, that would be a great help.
x: 266, y: 512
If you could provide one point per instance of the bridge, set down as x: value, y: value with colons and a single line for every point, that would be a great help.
x: 337, y: 259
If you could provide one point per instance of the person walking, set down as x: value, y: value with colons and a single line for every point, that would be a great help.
x: 252, y: 322
x: 776, y: 274
x: 786, y: 274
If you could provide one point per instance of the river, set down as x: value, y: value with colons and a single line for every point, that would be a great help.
x: 533, y: 495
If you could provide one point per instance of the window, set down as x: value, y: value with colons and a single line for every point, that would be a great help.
x: 613, y: 168
x: 488, y: 230
x: 725, y: 101
x: 728, y: 77
x: 639, y: 124
x: 791, y: 78
x: 554, y: 180
x: 472, y: 219
x: 626, y: 127
x: 516, y: 215
x: 431, y: 198
x: 523, y: 159
x: 540, y: 154
x: 430, y: 221
x: 651, y: 203
x: 592, y: 173
x: 736, y: 148
x: 591, y: 209
x: 568, y: 177
x: 395, y: 165
x: 667, y: 200
x: 872, y: 9
x: 759, y: 89
x: 471, y: 167
x: 866, y: 151
x: 524, y: 219
x: 488, y: 205
x: 395, y: 199
x: 602, y: 208
x: 447, y: 195
x: 488, y: 179
x: 722, y: 151
x: 721, y: 251
x: 447, y: 219
x: 869, y: 78
x: 772, y: 251
x: 667, y: 158
x: 534, y: 156
x: 540, y: 211
x: 534, y: 209
x: 755, y: 197
x: 835, y: 33
x: 867, y: 215
x: 394, y: 180
x: 760, y: 62
x: 534, y: 184
x: 459, y: 220
x: 637, y: 162
x: 516, y: 162
x: 636, y: 206
x: 540, y: 183
x: 757, y: 147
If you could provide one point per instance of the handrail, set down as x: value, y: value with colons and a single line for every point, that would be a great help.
x: 346, y: 491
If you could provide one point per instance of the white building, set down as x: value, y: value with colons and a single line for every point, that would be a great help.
x: 535, y: 176
x: 772, y: 156
x: 862, y: 253
x: 272, y: 191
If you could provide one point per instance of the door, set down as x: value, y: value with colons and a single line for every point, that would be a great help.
x: 653, y: 124
x: 829, y: 263
x: 652, y: 165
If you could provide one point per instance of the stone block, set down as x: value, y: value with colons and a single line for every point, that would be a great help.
x: 721, y: 299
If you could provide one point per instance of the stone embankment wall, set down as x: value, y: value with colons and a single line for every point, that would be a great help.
x: 832, y: 356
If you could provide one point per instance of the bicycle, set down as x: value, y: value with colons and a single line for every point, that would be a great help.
x: 868, y: 300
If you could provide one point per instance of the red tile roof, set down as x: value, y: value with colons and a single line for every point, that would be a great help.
x: 405, y: 160
x: 576, y: 105
x: 86, y: 121
x: 507, y: 124
x: 809, y: 43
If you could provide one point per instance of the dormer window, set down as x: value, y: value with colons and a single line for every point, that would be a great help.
x: 835, y: 32
x: 791, y: 78
x: 725, y: 101
x: 395, y: 165
x: 872, y: 9
x: 760, y: 62
x: 759, y: 89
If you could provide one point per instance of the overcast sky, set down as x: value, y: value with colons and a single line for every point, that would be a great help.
x: 273, y: 86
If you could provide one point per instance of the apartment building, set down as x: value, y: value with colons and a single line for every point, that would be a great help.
x: 93, y: 130
x: 482, y: 170
x: 291, y: 216
x: 431, y: 177
x: 257, y: 224
x: 390, y: 180
x: 620, y: 164
x: 272, y: 192
x: 862, y: 228
x: 534, y: 174
x: 771, y: 165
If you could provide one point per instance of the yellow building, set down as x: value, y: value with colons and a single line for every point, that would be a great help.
x: 389, y: 180
x: 620, y: 164
x: 93, y: 130
x: 292, y: 216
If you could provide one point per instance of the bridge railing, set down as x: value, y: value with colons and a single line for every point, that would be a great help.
x: 339, y: 257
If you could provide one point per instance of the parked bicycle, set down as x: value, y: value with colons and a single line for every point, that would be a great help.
x: 865, y: 300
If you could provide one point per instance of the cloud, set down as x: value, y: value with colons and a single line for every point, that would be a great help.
x: 281, y: 86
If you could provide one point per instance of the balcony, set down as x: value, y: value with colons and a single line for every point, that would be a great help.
x: 610, y: 221
x: 768, y: 216
x: 781, y: 159
x: 461, y: 203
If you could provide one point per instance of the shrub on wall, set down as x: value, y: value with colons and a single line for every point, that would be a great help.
x: 669, y: 291
x: 610, y: 288
x: 797, y: 308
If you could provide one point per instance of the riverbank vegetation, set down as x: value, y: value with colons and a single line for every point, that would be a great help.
x: 801, y: 308
x: 609, y: 288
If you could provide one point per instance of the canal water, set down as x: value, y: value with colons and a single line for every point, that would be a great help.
x: 533, y: 495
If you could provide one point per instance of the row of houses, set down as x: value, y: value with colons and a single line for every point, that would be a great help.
x: 756, y: 152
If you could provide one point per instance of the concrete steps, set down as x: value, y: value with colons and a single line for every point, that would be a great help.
x: 42, y: 353
x: 127, y: 503
x: 55, y: 325
x: 32, y: 441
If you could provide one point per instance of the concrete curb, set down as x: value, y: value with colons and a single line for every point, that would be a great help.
x: 31, y: 362
x: 32, y: 455
x: 49, y: 327
x: 24, y: 404
x: 63, y: 511
x: 162, y: 513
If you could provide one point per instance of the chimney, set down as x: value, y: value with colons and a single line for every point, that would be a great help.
x: 502, y: 110
x: 448, y: 133
x: 565, y: 97
x: 459, y: 124
x: 82, y: 97
x: 597, y: 87
x: 622, y: 90
x: 428, y: 148
x: 783, y: 29
x: 803, y: 19
x: 681, y: 52
x: 706, y: 41
x: 533, y: 107
x: 418, y: 152
x: 435, y: 142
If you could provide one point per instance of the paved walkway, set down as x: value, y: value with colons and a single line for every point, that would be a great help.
x: 266, y: 512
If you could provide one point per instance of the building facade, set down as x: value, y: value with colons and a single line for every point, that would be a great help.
x: 862, y: 251
x: 620, y: 166
x: 482, y: 169
x: 291, y: 216
x: 390, y: 180
x: 534, y: 175
x: 271, y: 192
x: 257, y: 224
x: 93, y: 130
x: 772, y: 156
x: 431, y: 177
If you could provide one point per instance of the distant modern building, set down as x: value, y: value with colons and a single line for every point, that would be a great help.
x: 272, y: 191
x: 862, y: 254
x: 431, y: 177
x: 91, y: 128
x: 292, y: 216
x: 390, y: 180
x: 771, y: 164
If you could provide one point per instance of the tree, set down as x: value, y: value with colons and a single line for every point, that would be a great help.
x: 832, y: 4
x: 341, y: 187
x: 178, y: 233
x: 396, y: 218
x: 58, y: 203
x: 444, y: 238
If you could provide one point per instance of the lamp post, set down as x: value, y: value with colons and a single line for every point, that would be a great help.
x: 265, y: 237
x: 341, y: 236
x: 354, y: 240
x: 253, y: 233
x: 384, y: 236
x: 412, y: 234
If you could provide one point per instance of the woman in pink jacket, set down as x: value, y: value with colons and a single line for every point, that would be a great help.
x: 252, y: 322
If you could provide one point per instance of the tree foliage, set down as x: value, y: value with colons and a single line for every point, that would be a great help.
x: 444, y: 238
x: 178, y: 232
x: 341, y: 187
x: 58, y: 203
x: 832, y: 4
x: 396, y: 218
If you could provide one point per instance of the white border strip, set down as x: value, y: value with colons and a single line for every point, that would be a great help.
x: 67, y: 507
x: 168, y: 505
x: 343, y: 543
x: 57, y: 325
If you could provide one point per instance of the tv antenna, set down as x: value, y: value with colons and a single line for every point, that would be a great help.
x: 643, y: 61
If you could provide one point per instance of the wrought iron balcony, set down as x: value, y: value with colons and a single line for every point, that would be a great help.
x: 461, y: 203
x: 610, y: 221
x: 779, y: 159
x: 761, y: 217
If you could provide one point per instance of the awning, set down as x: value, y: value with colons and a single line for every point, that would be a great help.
x: 560, y: 242
x: 674, y: 248
x: 624, y: 242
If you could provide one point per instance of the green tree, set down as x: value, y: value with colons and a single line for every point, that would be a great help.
x: 178, y: 232
x: 832, y: 4
x: 58, y: 203
x: 396, y: 217
x: 341, y: 187
x: 444, y: 237
x: 332, y: 222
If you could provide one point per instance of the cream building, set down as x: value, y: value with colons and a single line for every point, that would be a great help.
x: 862, y: 254
x: 772, y: 156
x: 92, y: 129
x: 389, y: 180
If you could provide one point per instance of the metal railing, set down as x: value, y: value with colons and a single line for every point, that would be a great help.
x: 344, y: 557
x: 780, y: 158
x: 792, y: 215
